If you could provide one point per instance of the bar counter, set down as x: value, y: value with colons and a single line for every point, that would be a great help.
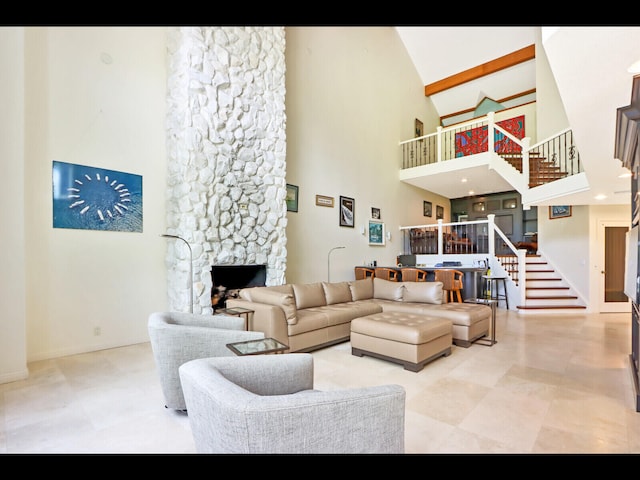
x: 471, y: 281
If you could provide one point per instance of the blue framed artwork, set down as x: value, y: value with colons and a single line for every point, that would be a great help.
x: 376, y: 232
x: 91, y: 198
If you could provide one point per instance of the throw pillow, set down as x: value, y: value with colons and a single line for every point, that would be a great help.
x: 361, y: 289
x: 336, y: 292
x: 309, y: 295
x: 423, y: 292
x: 387, y: 290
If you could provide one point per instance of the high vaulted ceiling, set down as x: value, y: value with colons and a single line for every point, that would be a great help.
x: 590, y: 68
x: 462, y: 48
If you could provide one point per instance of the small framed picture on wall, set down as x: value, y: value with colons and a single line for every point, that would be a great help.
x: 347, y: 211
x: 375, y: 213
x: 439, y: 212
x: 427, y: 209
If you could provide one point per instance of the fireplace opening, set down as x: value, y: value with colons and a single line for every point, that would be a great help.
x: 228, y: 280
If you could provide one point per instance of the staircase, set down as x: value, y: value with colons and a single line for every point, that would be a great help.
x: 541, y: 170
x: 545, y: 289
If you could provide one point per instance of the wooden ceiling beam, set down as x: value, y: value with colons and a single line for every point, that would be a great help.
x: 514, y: 58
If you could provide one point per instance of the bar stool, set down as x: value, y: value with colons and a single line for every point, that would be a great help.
x: 363, y: 272
x: 452, y: 283
x: 386, y: 274
x: 413, y: 275
x: 490, y: 288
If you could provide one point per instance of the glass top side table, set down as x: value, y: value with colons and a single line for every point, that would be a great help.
x: 257, y: 347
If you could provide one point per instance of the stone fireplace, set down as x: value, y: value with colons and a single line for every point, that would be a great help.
x: 226, y: 148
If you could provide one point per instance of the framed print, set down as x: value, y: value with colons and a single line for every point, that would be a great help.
x: 347, y: 211
x: 376, y: 232
x: 419, y: 128
x: 478, y: 207
x: 509, y: 203
x: 292, y: 198
x: 493, y: 205
x: 323, y: 201
x: 559, y: 211
x: 426, y: 209
x: 463, y: 218
x: 375, y: 213
x: 94, y: 198
x: 439, y: 212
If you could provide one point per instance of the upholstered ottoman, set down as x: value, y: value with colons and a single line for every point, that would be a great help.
x: 406, y: 338
x: 471, y: 321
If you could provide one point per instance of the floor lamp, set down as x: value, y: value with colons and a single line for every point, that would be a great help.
x: 329, y: 263
x: 166, y: 235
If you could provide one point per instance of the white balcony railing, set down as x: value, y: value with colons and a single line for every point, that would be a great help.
x: 533, y: 162
x: 467, y: 242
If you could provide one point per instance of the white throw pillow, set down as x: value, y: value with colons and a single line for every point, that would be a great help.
x: 423, y: 292
x: 387, y: 290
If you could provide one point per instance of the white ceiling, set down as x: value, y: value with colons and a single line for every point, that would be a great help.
x: 589, y: 65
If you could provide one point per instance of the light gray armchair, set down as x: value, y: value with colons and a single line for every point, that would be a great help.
x: 179, y: 337
x: 266, y: 404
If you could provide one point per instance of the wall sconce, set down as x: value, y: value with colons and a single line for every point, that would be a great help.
x: 166, y: 235
x: 388, y: 235
x: 363, y: 230
x: 329, y: 263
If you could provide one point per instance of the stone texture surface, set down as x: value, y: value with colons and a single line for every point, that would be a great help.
x: 226, y: 147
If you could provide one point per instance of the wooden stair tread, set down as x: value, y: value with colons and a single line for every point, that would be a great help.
x: 552, y: 297
x: 551, y: 307
x: 546, y: 288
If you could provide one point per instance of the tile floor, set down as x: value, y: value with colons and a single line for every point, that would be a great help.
x: 552, y: 384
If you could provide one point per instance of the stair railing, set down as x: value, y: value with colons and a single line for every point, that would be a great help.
x: 561, y: 150
x: 433, y: 243
x: 440, y: 146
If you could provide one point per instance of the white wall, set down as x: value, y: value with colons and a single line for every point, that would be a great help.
x: 549, y: 108
x: 82, y: 110
x: 352, y: 96
x: 12, y: 214
x: 573, y: 248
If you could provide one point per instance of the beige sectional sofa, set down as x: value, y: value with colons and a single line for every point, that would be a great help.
x: 311, y: 316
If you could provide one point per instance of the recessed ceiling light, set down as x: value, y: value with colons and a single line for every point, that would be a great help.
x: 471, y: 192
x: 600, y: 197
x: 464, y: 180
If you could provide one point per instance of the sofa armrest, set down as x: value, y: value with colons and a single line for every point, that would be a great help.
x: 266, y: 374
x: 269, y: 319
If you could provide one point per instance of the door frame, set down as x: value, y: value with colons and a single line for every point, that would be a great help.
x: 608, y: 307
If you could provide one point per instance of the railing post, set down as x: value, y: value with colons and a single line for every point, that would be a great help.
x: 522, y: 275
x: 526, y: 142
x: 491, y: 134
x: 440, y: 240
x: 491, y: 236
x: 439, y: 144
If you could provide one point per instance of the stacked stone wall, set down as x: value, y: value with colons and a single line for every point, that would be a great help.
x: 226, y: 147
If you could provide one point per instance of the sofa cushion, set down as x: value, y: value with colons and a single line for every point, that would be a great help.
x: 280, y: 299
x: 423, y: 292
x: 387, y: 290
x: 336, y: 292
x: 309, y: 295
x: 361, y: 289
